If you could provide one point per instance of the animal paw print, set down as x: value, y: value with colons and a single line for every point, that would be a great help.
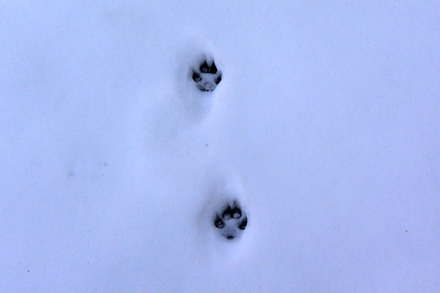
x: 231, y: 220
x: 206, y: 76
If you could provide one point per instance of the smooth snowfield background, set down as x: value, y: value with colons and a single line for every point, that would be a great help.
x: 328, y: 113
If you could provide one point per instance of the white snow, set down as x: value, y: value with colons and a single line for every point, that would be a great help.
x: 326, y: 124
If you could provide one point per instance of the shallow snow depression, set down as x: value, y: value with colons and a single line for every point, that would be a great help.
x: 325, y: 126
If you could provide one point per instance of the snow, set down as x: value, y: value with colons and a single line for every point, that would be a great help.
x: 325, y: 125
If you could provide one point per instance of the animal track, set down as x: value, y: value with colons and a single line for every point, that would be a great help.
x: 231, y: 220
x: 206, y: 75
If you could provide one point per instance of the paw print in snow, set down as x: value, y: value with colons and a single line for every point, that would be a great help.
x: 206, y: 76
x: 231, y: 220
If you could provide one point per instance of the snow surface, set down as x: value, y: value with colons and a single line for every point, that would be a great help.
x: 326, y: 124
